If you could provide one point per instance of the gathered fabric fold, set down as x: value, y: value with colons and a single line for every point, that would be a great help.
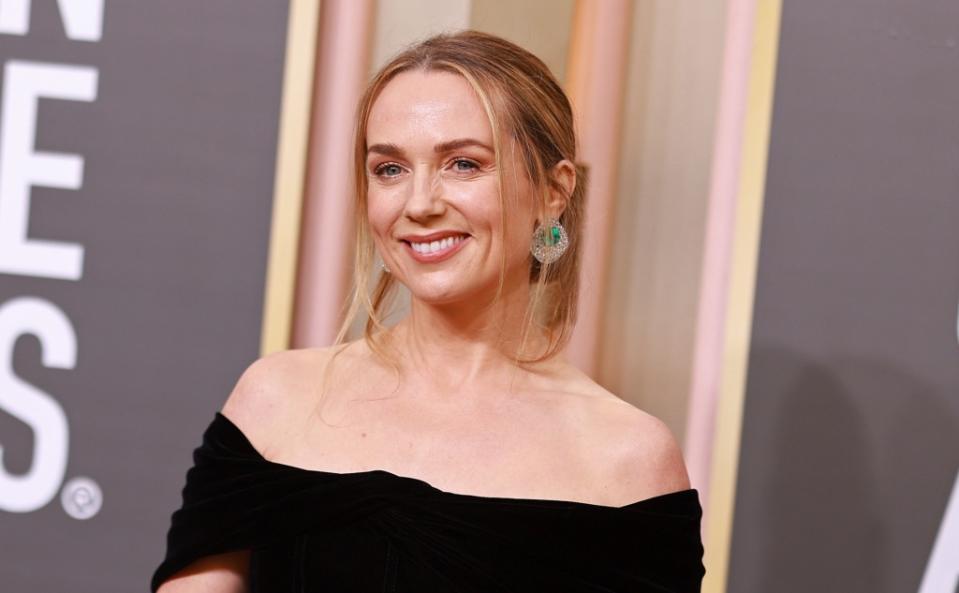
x: 235, y: 499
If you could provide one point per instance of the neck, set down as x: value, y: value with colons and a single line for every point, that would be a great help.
x: 446, y: 348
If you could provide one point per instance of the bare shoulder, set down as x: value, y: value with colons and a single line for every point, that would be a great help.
x: 640, y: 456
x: 273, y: 390
x: 652, y: 460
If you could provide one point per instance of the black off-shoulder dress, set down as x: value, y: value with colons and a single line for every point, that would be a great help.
x: 374, y: 531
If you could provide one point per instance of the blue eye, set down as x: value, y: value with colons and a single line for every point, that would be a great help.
x: 469, y: 165
x: 388, y: 170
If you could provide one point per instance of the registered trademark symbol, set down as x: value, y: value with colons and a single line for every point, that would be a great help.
x: 81, y: 498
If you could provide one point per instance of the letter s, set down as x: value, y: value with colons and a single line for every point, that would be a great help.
x: 41, y: 412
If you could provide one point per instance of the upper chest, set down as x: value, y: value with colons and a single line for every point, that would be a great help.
x: 530, y: 446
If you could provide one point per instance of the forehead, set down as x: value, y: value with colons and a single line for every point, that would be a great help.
x: 431, y: 105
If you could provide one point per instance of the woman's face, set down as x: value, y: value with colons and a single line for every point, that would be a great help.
x: 432, y: 203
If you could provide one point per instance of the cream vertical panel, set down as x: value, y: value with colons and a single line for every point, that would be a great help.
x: 717, y: 253
x: 402, y: 22
x: 657, y: 241
x: 541, y: 26
x: 595, y: 82
x: 288, y: 184
x: 739, y: 313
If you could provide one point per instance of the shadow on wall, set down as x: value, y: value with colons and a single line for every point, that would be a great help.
x: 845, y: 470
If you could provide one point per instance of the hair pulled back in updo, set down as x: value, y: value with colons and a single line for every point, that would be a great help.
x: 522, y: 100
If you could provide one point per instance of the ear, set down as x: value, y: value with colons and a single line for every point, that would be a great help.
x: 563, y: 177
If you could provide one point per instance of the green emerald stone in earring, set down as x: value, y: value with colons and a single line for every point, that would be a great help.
x: 549, y: 241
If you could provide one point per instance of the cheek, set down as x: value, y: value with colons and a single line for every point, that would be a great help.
x: 519, y: 225
x: 480, y: 204
x: 381, y: 211
x: 513, y: 239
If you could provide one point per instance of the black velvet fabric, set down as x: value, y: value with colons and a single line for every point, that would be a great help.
x: 375, y: 531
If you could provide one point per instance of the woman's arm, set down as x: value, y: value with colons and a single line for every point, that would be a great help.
x: 229, y: 572
x: 217, y: 573
x: 256, y: 405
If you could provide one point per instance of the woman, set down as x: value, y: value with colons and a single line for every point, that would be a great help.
x: 455, y: 450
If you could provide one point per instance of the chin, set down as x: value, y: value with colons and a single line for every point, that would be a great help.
x: 441, y: 295
x: 438, y: 297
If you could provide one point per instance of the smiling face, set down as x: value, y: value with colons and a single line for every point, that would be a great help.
x: 433, y: 200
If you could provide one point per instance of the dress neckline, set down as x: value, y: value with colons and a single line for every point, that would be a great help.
x: 690, y: 493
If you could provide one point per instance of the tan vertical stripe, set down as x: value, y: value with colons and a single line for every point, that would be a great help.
x: 399, y: 24
x: 596, y: 86
x: 542, y: 27
x: 326, y: 244
x: 742, y: 290
x: 717, y: 253
x: 301, y: 34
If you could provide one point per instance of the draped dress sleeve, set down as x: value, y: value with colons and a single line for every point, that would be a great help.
x: 233, y: 499
x: 438, y: 541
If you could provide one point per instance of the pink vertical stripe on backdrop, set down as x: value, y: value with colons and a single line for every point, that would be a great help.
x: 717, y: 259
x: 325, y: 258
x: 596, y: 86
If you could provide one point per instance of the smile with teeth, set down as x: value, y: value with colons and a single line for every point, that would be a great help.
x: 436, y: 246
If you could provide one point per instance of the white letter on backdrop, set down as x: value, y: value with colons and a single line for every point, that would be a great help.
x: 20, y: 166
x: 942, y: 571
x: 35, y: 408
x: 82, y: 19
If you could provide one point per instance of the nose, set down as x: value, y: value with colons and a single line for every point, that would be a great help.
x: 426, y: 197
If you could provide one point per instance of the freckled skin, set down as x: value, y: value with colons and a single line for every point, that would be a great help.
x: 431, y: 166
x: 457, y: 398
x: 425, y: 191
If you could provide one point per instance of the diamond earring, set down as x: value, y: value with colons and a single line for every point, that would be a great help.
x: 384, y: 268
x: 549, y: 241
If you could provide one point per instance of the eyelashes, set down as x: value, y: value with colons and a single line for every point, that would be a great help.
x: 380, y: 170
x: 458, y: 164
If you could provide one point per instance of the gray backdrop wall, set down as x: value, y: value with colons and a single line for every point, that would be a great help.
x: 850, y: 444
x: 132, y: 261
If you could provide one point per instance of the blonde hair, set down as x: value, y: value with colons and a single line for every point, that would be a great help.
x: 522, y: 98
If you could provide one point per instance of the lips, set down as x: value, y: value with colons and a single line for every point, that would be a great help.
x: 434, y: 236
x: 437, y: 250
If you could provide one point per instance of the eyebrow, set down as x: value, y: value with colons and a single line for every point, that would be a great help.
x: 389, y: 149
